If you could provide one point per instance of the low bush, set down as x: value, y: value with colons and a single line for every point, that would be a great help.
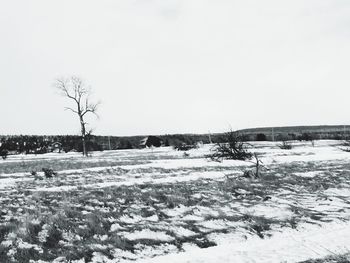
x: 48, y: 172
x: 184, y: 147
x: 285, y: 145
x: 4, y: 154
x: 232, y: 147
x: 345, y: 146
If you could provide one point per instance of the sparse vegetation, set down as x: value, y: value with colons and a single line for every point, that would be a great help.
x: 285, y: 145
x: 345, y: 146
x: 258, y: 166
x: 331, y: 259
x: 232, y: 147
x: 41, y: 144
x: 48, y: 172
x: 184, y: 147
x: 99, y: 213
x: 3, y: 154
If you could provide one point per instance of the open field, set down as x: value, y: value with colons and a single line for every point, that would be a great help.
x: 162, y: 206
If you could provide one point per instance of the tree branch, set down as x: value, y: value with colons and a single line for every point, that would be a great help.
x: 67, y: 108
x: 63, y: 86
x: 90, y: 108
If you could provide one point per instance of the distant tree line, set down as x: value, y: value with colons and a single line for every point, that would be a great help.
x: 32, y: 144
x: 42, y: 144
x: 304, y: 136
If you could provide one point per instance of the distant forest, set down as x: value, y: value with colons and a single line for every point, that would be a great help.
x: 42, y: 144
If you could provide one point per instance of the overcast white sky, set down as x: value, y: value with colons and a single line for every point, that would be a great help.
x: 175, y: 66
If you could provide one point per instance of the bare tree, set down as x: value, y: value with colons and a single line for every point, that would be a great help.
x: 75, y: 89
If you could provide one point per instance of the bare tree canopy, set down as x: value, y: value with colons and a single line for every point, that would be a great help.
x: 76, y: 90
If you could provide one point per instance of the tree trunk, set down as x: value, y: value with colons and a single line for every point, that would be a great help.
x: 84, y: 146
x: 83, y: 135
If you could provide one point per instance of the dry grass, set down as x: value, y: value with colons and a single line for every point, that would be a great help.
x: 331, y: 259
x: 75, y: 224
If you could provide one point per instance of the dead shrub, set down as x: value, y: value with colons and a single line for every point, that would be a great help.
x: 49, y: 173
x: 285, y: 145
x: 232, y: 147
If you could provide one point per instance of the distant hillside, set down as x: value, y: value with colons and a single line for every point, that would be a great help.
x: 297, y: 132
x: 299, y: 129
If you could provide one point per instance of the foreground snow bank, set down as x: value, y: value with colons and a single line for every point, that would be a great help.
x: 308, y: 242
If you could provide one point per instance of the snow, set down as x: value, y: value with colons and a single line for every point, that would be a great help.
x: 309, y: 174
x: 216, y: 223
x: 116, y: 227
x: 147, y: 173
x: 148, y: 234
x: 192, y: 218
x: 213, y: 225
x: 153, y: 218
x: 286, y: 246
x: 6, y: 243
x: 177, y: 211
x: 182, y: 232
x: 130, y: 220
x: 152, y: 251
x: 338, y: 192
x: 98, y: 257
x: 138, y: 181
x: 280, y: 212
x: 25, y: 245
x: 10, y: 182
x: 44, y: 233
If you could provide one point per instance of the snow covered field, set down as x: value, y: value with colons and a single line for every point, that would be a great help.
x: 162, y: 206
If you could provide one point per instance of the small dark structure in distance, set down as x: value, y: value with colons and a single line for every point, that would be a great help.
x: 151, y: 141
